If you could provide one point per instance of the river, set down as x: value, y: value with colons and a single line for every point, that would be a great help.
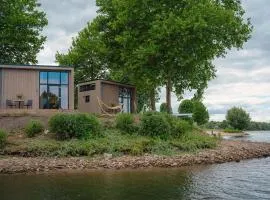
x: 245, y: 180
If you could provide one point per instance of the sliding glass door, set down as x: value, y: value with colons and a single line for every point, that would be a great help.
x: 125, y: 99
x: 53, y: 90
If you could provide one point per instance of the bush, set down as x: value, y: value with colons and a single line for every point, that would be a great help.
x: 155, y: 125
x: 33, y: 127
x: 231, y: 130
x: 163, y: 108
x: 77, y: 125
x: 195, y: 141
x: 126, y: 123
x: 200, y: 113
x: 180, y: 127
x: 238, y: 118
x: 3, y: 138
x: 186, y: 106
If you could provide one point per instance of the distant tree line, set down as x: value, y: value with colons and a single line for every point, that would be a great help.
x: 238, y: 118
x: 253, y: 126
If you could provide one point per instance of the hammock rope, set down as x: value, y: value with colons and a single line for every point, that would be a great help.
x: 114, y: 108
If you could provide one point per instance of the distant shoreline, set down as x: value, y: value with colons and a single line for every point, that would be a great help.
x: 226, y: 151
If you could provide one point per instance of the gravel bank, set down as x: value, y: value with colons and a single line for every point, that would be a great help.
x: 227, y: 151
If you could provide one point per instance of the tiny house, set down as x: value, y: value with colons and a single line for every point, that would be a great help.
x: 103, y: 96
x: 36, y: 87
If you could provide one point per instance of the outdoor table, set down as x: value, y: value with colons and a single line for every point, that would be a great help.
x: 19, y: 102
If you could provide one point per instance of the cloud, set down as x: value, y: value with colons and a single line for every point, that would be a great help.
x: 65, y: 19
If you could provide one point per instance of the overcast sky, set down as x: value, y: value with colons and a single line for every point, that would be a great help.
x: 243, y: 77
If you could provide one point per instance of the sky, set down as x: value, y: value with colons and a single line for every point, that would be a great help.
x: 243, y: 77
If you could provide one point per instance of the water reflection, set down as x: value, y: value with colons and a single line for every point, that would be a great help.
x: 142, y: 184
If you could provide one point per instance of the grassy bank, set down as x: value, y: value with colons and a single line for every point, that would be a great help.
x: 176, y: 138
x: 113, y: 142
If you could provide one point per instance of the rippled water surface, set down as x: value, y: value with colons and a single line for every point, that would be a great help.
x: 244, y: 180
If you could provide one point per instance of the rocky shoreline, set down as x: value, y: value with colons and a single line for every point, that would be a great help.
x: 227, y: 151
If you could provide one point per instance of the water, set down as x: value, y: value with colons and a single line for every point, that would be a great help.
x: 245, y: 180
x: 255, y: 136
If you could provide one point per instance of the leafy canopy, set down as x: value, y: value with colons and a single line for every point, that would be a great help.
x: 238, y: 118
x: 86, y: 55
x: 21, y: 24
x: 171, y: 40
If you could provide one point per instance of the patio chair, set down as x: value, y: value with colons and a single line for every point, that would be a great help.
x: 29, y: 104
x: 10, y: 104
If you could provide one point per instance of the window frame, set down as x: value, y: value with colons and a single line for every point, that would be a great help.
x: 47, y: 84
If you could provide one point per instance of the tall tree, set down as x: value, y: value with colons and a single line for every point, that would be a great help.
x: 21, y: 23
x: 172, y: 42
x: 86, y: 54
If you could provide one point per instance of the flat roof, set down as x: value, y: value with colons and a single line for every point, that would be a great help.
x: 42, y: 67
x: 106, y: 81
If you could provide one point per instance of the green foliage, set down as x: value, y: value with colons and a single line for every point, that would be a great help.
x: 146, y: 37
x: 180, y: 127
x: 254, y: 126
x: 163, y: 108
x: 113, y: 142
x: 200, y: 113
x: 224, y: 124
x: 186, y: 106
x: 126, y: 123
x: 21, y: 24
x: 195, y: 141
x: 155, y: 125
x: 78, y: 125
x: 231, y: 130
x: 238, y: 118
x: 3, y: 138
x: 33, y: 127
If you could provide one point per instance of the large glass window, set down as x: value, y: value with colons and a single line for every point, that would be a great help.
x: 53, y: 90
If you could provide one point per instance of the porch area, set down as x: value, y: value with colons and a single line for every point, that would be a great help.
x: 32, y: 112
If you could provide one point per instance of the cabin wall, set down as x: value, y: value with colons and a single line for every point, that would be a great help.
x: 92, y: 106
x: 20, y: 81
x: 110, y: 94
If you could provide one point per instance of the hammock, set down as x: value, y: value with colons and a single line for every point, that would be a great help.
x: 108, y: 108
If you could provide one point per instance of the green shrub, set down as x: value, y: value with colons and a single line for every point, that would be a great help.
x: 79, y: 125
x: 33, y: 127
x: 163, y: 108
x: 231, y: 130
x: 194, y: 141
x: 180, y: 127
x: 126, y: 123
x: 3, y: 138
x: 155, y: 125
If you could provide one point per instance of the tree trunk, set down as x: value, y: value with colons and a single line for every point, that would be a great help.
x: 168, y: 95
x: 153, y: 100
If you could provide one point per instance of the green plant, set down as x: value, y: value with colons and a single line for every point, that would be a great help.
x: 3, y: 138
x: 186, y: 106
x: 79, y: 125
x: 33, y: 127
x: 200, y: 113
x: 231, y: 130
x: 180, y: 127
x: 238, y: 118
x: 126, y: 123
x: 163, y: 108
x: 155, y: 125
